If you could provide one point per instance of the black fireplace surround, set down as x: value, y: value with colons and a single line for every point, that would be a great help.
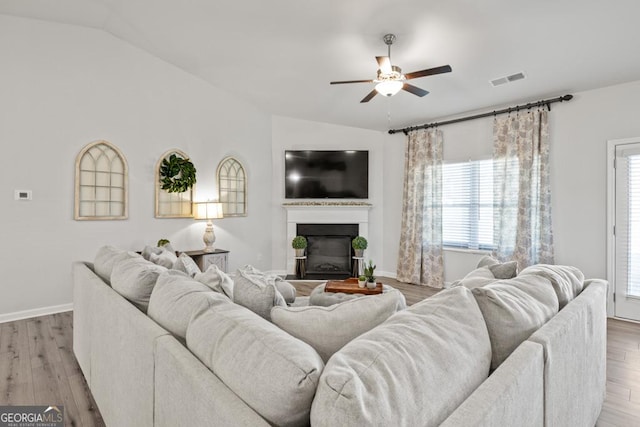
x: 329, y: 252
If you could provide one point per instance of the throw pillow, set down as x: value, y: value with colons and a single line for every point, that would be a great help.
x: 256, y: 293
x: 148, y: 250
x: 514, y: 309
x: 479, y: 277
x: 217, y: 280
x: 176, y: 298
x: 328, y: 329
x: 187, y: 265
x: 106, y: 258
x: 567, y: 281
x: 165, y: 258
x: 486, y: 261
x: 386, y: 376
x: 286, y: 289
x: 271, y: 371
x: 507, y: 270
x: 134, y: 279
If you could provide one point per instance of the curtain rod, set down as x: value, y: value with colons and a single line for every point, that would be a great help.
x: 540, y: 103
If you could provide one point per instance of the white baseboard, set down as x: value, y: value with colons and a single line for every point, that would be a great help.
x: 277, y: 272
x: 27, y: 314
x: 388, y: 274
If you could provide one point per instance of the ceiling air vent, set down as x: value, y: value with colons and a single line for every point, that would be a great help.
x: 507, y: 79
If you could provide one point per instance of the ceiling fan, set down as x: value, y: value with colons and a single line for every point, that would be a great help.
x: 390, y: 78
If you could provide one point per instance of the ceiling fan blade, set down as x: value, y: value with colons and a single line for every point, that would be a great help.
x: 414, y: 89
x: 428, y: 72
x: 350, y: 81
x: 369, y: 96
x: 384, y: 63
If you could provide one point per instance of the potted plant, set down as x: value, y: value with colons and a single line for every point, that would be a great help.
x: 369, y: 270
x: 362, y: 279
x: 359, y: 244
x: 299, y: 243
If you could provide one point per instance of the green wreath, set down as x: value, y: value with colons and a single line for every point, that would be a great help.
x: 177, y: 175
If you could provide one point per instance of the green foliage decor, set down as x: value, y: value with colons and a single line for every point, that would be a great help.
x: 162, y: 242
x: 177, y: 174
x: 359, y: 243
x: 299, y: 242
x: 369, y: 271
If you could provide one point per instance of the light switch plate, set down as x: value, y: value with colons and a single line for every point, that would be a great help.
x: 23, y: 195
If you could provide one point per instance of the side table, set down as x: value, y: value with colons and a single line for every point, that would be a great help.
x: 219, y: 257
x: 300, y: 266
x: 358, y: 263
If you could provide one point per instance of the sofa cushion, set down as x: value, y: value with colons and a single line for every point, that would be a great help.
x: 106, y: 258
x: 165, y: 258
x: 513, y: 309
x: 134, y: 279
x: 176, y: 297
x: 217, y: 280
x: 567, y: 281
x: 273, y: 372
x: 328, y: 329
x: 256, y: 292
x: 413, y: 369
x: 187, y: 265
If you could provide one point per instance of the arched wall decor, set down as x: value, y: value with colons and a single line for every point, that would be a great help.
x: 101, y: 183
x: 172, y: 205
x: 232, y: 187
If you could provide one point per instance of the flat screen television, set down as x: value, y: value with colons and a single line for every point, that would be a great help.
x: 315, y: 174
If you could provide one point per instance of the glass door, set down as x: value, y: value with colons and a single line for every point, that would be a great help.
x: 627, y: 230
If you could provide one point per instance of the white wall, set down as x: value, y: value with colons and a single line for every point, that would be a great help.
x: 295, y: 134
x: 579, y: 130
x: 65, y: 86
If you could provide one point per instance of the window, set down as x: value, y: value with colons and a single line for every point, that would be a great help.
x: 232, y: 187
x: 467, y: 205
x: 101, y: 183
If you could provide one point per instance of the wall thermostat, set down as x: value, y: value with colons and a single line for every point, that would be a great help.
x: 23, y: 194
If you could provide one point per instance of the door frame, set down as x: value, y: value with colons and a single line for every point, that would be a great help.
x: 611, y: 213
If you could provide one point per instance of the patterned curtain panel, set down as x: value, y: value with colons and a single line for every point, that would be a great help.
x: 420, y: 257
x: 522, y: 193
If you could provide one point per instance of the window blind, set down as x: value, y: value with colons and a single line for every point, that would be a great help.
x: 467, y: 204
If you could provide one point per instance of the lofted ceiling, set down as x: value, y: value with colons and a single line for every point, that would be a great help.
x: 281, y: 54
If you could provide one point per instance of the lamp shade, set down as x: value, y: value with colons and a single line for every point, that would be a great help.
x: 207, y: 210
x: 389, y: 87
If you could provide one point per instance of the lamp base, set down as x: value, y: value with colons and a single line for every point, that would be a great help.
x: 209, y: 238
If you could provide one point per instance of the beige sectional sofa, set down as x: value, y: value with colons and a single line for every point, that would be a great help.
x: 215, y: 362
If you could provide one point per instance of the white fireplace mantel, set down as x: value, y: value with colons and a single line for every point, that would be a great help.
x: 324, y: 213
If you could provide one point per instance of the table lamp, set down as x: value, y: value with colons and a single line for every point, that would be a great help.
x: 208, y: 211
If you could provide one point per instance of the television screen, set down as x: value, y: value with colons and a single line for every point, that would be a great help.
x: 326, y: 174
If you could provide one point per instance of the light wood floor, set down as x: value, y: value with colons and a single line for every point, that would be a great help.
x: 37, y: 366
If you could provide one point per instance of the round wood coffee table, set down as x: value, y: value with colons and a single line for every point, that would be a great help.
x: 319, y: 297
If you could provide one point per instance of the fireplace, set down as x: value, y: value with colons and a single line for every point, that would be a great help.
x: 326, y: 214
x: 329, y: 249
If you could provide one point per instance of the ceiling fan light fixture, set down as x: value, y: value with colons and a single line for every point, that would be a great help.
x: 389, y: 87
